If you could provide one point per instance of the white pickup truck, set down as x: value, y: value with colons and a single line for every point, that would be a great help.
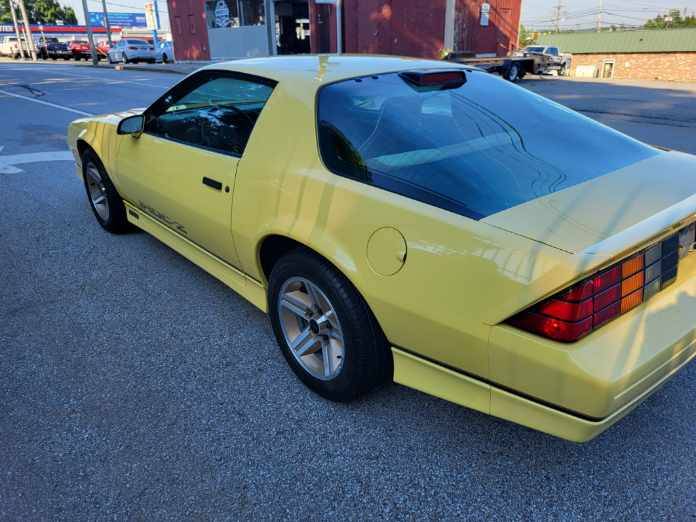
x: 555, y: 59
x: 9, y: 47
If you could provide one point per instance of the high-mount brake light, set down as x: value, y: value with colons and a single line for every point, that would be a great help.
x: 576, y: 311
x: 448, y: 79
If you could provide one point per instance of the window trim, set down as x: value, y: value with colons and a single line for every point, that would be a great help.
x: 193, y: 81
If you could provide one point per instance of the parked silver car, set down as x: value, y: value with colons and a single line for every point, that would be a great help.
x: 165, y: 52
x: 132, y: 50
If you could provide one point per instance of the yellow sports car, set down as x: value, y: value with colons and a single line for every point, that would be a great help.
x: 419, y: 221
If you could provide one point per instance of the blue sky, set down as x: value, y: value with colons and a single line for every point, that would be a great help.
x: 583, y: 13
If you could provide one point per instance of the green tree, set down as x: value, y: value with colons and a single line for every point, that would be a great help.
x: 40, y: 11
x: 673, y: 19
x: 526, y: 37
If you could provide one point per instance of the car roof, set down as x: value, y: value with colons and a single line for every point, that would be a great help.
x: 309, y: 72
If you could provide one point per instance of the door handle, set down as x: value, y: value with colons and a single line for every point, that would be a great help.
x: 212, y: 183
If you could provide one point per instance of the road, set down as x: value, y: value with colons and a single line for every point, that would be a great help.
x: 658, y: 113
x: 134, y: 385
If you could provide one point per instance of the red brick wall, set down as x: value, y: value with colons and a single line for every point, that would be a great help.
x: 499, y: 37
x: 189, y: 29
x: 679, y: 67
x: 401, y: 27
x: 417, y: 27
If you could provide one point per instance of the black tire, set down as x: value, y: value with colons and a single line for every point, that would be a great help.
x: 367, y: 360
x: 513, y: 73
x: 53, y: 58
x: 165, y: 58
x: 116, y: 223
x: 125, y: 58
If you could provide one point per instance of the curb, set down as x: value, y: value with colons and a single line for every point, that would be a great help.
x: 151, y: 68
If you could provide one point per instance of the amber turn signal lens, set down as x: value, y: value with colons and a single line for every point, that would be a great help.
x: 631, y: 266
x: 632, y: 284
x: 631, y: 301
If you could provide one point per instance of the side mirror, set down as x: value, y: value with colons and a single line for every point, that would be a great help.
x: 133, y: 125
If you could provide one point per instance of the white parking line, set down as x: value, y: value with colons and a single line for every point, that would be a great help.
x: 8, y: 162
x: 55, y: 106
x: 61, y: 69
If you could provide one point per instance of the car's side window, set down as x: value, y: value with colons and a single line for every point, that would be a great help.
x: 213, y: 110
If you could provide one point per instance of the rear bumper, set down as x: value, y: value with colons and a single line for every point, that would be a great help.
x: 141, y: 55
x: 574, y: 391
x: 608, y: 369
x: 433, y: 379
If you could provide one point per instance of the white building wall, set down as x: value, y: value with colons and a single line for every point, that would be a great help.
x: 238, y: 42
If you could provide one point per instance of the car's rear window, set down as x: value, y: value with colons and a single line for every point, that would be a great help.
x: 475, y: 150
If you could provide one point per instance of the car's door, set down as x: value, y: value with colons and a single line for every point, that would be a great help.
x: 555, y: 58
x: 181, y: 170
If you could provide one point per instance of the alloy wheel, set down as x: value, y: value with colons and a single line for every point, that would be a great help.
x: 97, y: 191
x: 311, y: 328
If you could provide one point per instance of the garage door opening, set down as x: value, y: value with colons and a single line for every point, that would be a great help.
x: 292, y: 26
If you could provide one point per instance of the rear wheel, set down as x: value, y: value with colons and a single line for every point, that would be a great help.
x: 165, y: 58
x: 513, y: 73
x: 325, y: 330
x: 106, y: 204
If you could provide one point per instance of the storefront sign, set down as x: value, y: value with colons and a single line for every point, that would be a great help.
x: 485, y: 14
x: 222, y: 14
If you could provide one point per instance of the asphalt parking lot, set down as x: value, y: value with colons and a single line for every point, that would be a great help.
x: 136, y: 386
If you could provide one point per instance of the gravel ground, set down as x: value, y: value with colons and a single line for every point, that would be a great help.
x: 136, y: 386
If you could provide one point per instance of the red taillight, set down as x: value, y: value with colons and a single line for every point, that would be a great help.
x: 576, y: 311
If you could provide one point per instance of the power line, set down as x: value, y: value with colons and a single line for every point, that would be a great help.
x: 558, y: 15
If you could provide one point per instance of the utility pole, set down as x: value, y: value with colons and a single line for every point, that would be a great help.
x: 157, y: 19
x: 106, y: 23
x: 600, y: 12
x: 339, y: 27
x: 558, y: 14
x: 90, y: 36
x: 20, y: 45
x: 27, y: 31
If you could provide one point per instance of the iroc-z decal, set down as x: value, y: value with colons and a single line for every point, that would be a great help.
x: 164, y: 218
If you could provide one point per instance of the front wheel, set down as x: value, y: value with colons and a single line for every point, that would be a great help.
x: 103, y: 198
x: 325, y: 330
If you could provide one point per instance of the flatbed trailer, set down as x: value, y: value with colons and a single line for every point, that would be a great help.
x: 512, y: 68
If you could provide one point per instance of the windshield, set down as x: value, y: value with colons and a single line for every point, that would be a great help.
x: 476, y: 149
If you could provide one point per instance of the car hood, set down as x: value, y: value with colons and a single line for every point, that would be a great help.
x: 633, y: 203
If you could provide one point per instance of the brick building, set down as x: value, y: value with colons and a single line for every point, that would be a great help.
x: 630, y: 55
x: 226, y: 29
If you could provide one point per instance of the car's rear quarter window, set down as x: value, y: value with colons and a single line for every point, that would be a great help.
x: 475, y: 150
